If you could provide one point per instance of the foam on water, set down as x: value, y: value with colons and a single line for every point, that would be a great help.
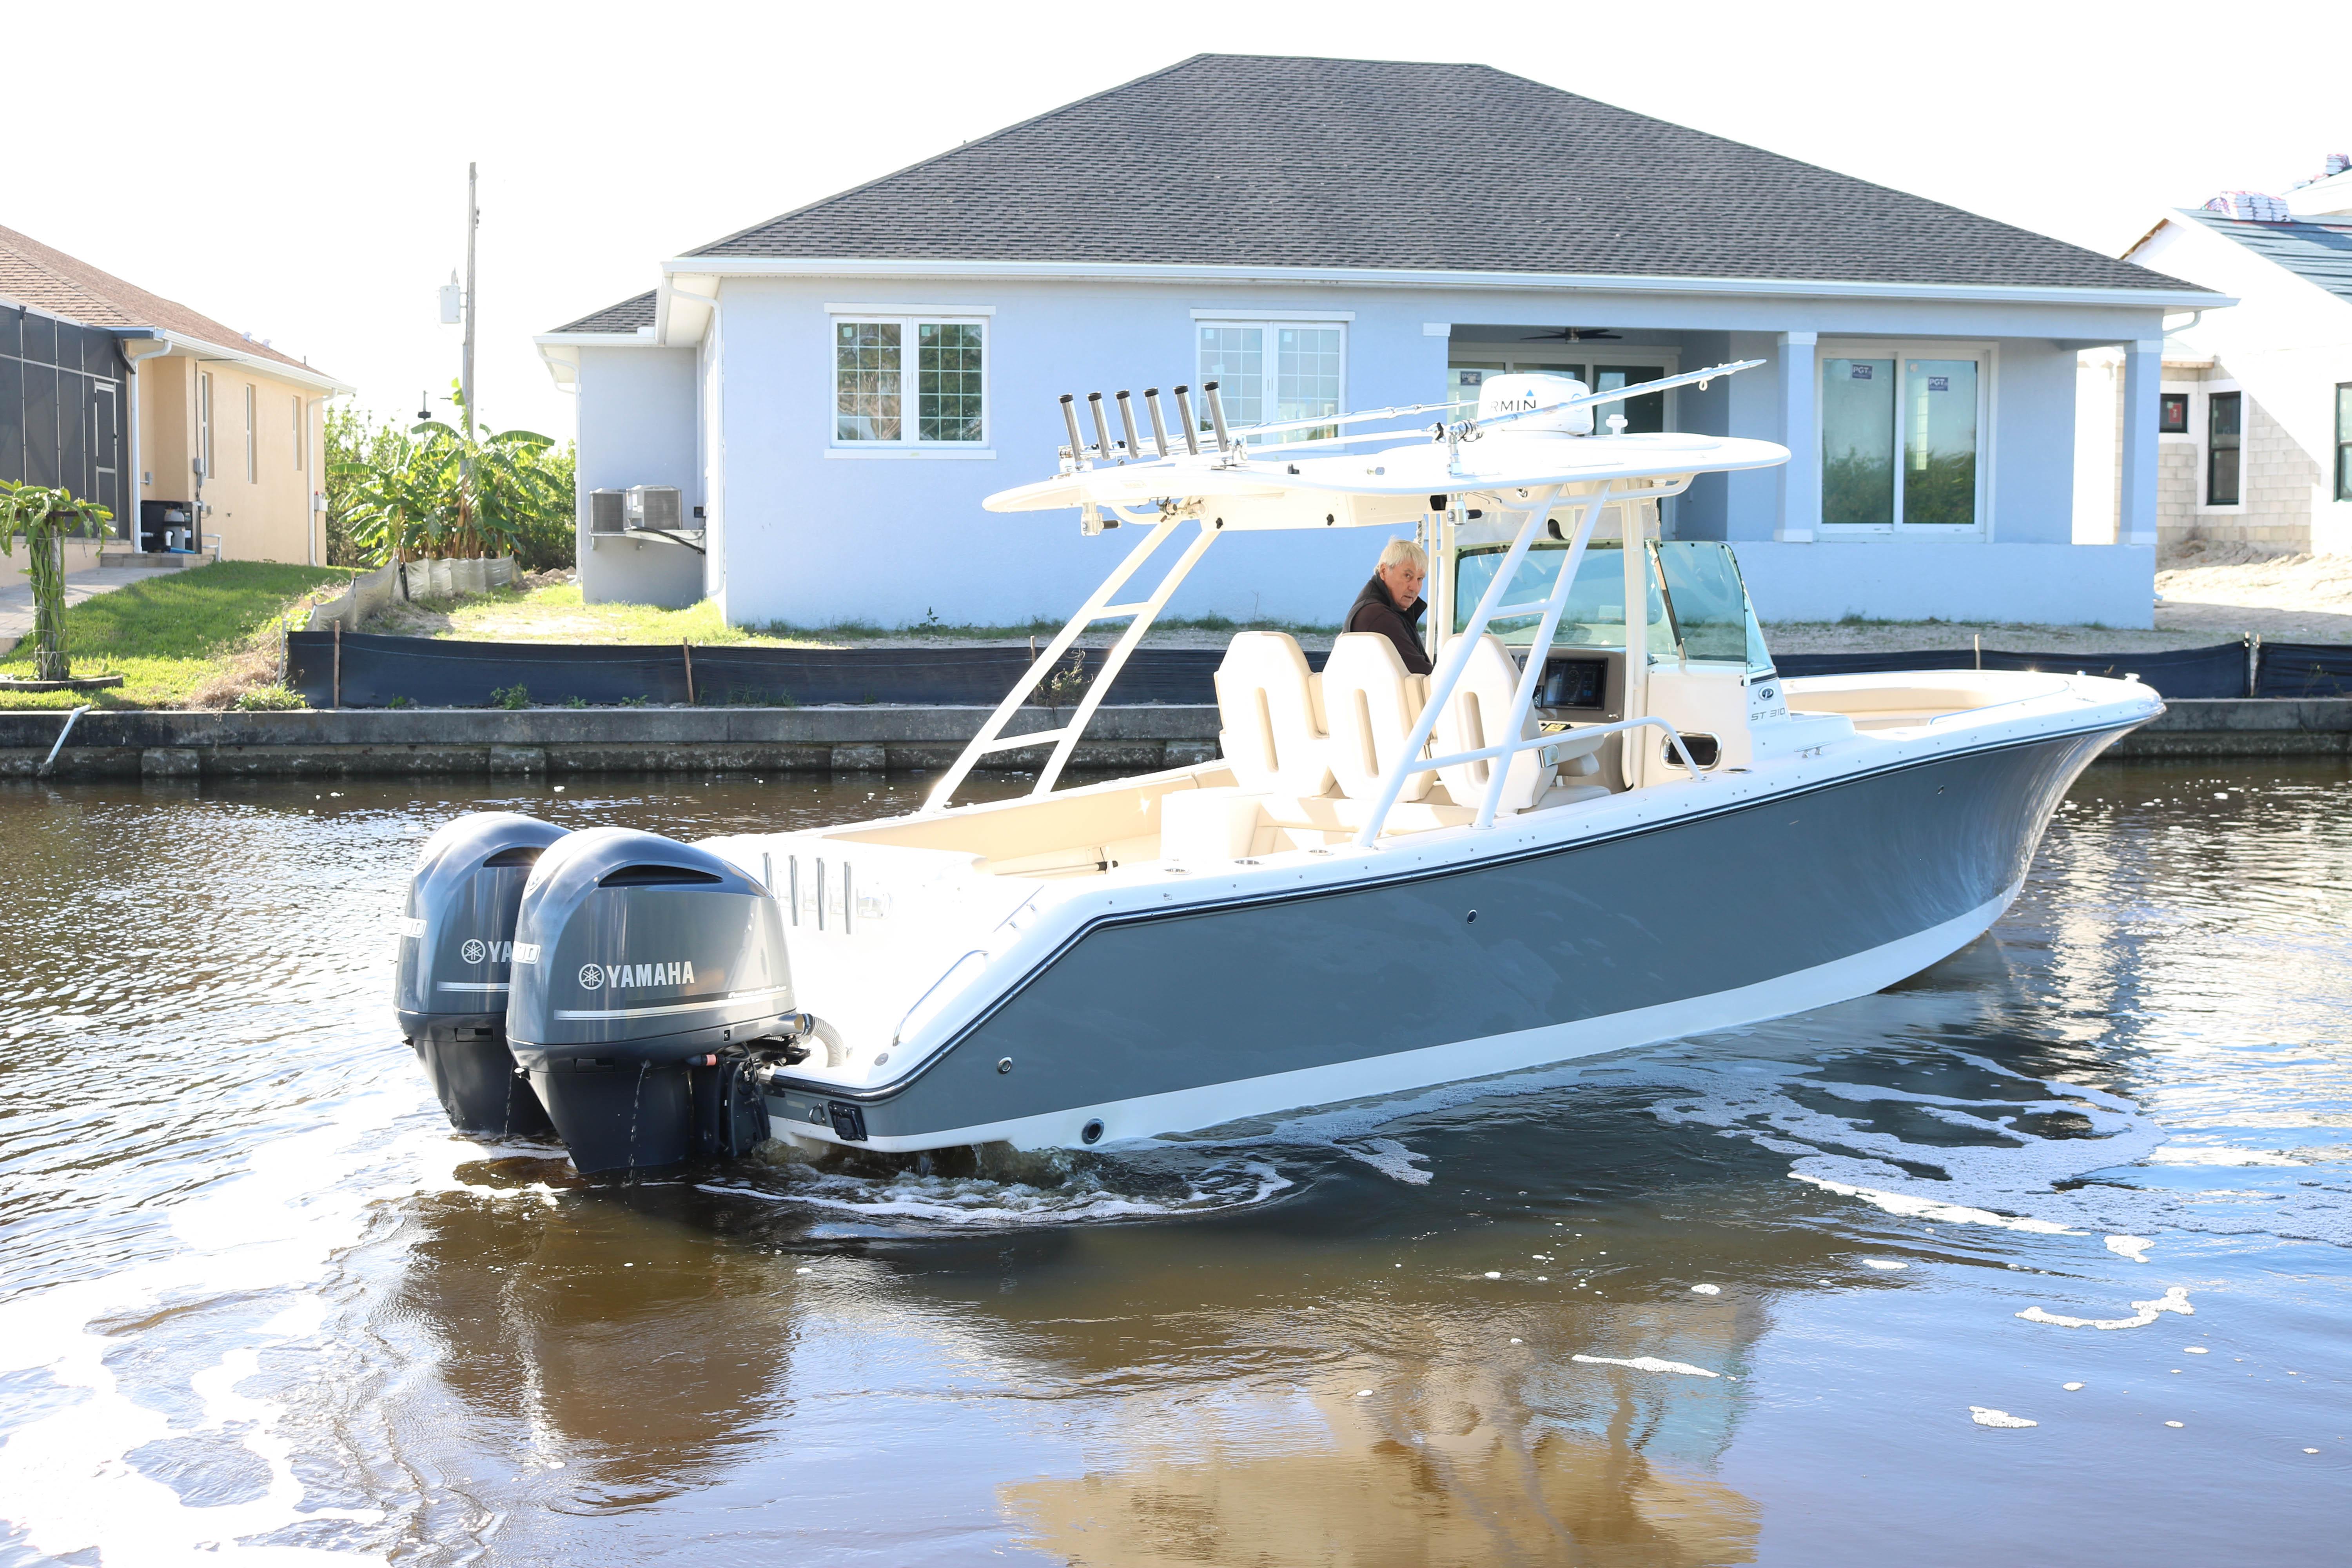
x: 977, y: 1202
x: 1391, y: 1159
x: 1984, y: 1417
x: 1647, y: 1363
x: 2175, y: 1300
x: 1912, y: 1206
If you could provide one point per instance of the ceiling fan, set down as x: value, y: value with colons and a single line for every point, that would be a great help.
x: 1574, y: 335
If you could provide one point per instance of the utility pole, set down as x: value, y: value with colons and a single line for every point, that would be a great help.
x: 466, y: 365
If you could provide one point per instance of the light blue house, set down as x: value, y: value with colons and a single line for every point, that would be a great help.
x: 836, y: 389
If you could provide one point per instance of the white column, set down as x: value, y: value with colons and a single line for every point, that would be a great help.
x: 1801, y: 476
x: 2143, y: 369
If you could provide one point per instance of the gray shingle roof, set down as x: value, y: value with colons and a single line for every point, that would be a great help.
x: 1282, y: 161
x: 625, y: 317
x: 2319, y: 252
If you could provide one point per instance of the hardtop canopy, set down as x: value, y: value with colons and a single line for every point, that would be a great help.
x: 1386, y: 486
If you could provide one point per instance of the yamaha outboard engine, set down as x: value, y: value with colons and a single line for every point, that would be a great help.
x: 646, y: 971
x: 457, y: 942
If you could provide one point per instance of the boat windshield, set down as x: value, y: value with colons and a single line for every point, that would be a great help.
x: 1698, y: 606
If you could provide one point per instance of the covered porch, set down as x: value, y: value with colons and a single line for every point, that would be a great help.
x: 1932, y: 474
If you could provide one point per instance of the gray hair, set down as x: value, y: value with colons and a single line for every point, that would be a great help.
x: 1403, y: 552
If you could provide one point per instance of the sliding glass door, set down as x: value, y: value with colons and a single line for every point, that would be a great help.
x: 1902, y: 441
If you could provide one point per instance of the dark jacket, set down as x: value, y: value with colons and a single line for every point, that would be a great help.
x: 1374, y: 611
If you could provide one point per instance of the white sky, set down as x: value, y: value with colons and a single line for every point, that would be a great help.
x: 297, y: 171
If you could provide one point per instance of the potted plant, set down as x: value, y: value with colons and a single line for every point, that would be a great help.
x: 43, y: 518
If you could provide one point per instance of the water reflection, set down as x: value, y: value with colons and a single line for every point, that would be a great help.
x: 1460, y: 1490
x: 249, y: 1270
x: 625, y: 1335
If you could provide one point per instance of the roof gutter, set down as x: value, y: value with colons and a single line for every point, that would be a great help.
x: 1372, y: 277
x: 560, y: 352
x: 301, y: 375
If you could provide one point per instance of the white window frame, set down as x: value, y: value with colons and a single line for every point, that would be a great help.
x: 2200, y: 431
x: 301, y: 437
x: 1988, y: 358
x: 1269, y: 359
x: 908, y: 319
x: 252, y: 437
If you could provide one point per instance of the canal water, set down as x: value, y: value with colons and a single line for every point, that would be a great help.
x: 2041, y: 1255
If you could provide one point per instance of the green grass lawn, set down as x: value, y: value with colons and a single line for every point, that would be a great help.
x: 172, y: 636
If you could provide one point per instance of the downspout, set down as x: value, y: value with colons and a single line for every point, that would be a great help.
x: 159, y: 345
x: 314, y: 465
x: 711, y: 433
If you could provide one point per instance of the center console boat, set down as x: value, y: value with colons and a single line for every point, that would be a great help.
x: 1585, y: 830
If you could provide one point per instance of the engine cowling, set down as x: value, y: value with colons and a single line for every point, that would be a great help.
x: 643, y: 968
x: 450, y: 986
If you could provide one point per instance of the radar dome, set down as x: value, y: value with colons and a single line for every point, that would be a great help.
x: 1522, y: 390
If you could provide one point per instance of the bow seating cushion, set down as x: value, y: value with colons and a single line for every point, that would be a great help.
x: 1474, y: 719
x: 1268, y: 712
x: 1372, y: 705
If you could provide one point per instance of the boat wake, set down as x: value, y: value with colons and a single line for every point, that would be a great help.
x: 1048, y: 1191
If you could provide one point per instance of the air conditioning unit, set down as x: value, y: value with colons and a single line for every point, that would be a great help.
x: 607, y: 512
x: 654, y: 509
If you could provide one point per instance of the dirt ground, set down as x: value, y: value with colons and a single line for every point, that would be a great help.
x: 2207, y: 594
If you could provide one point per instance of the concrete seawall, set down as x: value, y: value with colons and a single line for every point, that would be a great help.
x: 2245, y: 727
x: 448, y: 741
x: 453, y: 742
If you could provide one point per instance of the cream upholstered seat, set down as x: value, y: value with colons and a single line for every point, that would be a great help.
x: 1271, y: 722
x: 1476, y: 719
x: 1371, y: 704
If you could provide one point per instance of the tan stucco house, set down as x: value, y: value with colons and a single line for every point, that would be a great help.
x: 123, y: 397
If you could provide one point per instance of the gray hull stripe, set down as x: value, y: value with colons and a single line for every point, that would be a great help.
x: 1275, y: 899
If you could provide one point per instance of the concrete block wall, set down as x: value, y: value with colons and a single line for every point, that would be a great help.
x: 2178, y: 473
x: 2279, y: 477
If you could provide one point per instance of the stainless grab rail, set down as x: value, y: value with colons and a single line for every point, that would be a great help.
x: 899, y: 1032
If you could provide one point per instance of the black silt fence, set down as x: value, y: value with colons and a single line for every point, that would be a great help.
x: 2305, y: 669
x: 425, y: 673
x: 2216, y: 671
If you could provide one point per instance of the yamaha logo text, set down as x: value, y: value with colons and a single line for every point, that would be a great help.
x: 619, y: 977
x: 477, y: 951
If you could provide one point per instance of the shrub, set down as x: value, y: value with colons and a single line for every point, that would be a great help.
x: 269, y: 699
x: 515, y: 696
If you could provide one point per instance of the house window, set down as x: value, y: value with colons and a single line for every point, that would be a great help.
x: 1271, y: 372
x: 873, y: 362
x: 2224, y: 428
x: 2344, y: 440
x: 205, y: 424
x: 1902, y: 442
x: 252, y: 467
x: 2172, y: 414
x: 301, y: 442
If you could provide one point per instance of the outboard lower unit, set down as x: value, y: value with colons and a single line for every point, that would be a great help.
x: 650, y: 978
x: 456, y: 941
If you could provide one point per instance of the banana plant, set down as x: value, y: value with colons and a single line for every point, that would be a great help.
x: 45, y: 518
x: 445, y: 489
x: 492, y: 486
x: 390, y: 501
